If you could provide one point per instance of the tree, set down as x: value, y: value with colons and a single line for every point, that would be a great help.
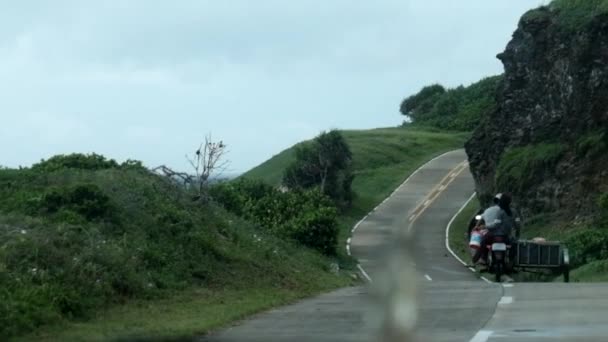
x: 412, y: 103
x: 208, y: 162
x: 326, y: 163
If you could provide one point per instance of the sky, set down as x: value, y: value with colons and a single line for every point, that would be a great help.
x: 148, y: 80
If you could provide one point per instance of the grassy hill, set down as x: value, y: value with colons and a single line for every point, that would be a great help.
x: 382, y: 159
x: 93, y: 250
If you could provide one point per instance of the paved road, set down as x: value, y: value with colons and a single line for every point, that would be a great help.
x: 448, y: 302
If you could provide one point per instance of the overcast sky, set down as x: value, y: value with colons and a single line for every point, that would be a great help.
x: 148, y: 79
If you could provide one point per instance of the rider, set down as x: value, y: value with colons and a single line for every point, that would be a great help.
x: 502, y: 223
x: 491, y: 214
x: 490, y: 217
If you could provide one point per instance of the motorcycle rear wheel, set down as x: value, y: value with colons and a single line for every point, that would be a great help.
x: 498, y: 271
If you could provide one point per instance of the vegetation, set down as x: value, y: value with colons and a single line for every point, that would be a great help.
x: 326, y: 164
x: 459, y: 109
x: 575, y: 14
x: 306, y: 216
x: 592, y: 144
x: 519, y: 166
x: 82, y: 235
x: 587, y: 242
x: 458, y: 231
x: 381, y: 160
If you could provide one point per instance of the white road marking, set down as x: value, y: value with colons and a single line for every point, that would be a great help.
x: 507, y: 285
x: 441, y: 188
x: 364, y: 273
x: 482, y: 336
x: 386, y: 199
x: 505, y: 300
x: 428, y: 277
x: 426, y: 204
x: 348, y: 249
x: 485, y: 279
x: 447, y: 230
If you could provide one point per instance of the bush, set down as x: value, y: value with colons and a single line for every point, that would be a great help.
x: 87, y: 200
x: 306, y: 216
x: 587, y: 245
x: 75, y: 161
x: 66, y: 249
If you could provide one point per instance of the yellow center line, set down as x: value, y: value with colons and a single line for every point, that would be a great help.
x: 438, y: 187
x: 452, y: 175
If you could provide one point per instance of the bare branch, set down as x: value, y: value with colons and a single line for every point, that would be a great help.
x: 208, y: 163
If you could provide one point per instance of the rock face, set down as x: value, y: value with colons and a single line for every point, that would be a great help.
x: 546, y: 141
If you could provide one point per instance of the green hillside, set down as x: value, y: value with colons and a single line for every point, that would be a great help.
x: 382, y: 159
x: 94, y: 250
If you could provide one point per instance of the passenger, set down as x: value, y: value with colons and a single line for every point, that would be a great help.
x: 502, y: 225
x: 473, y: 223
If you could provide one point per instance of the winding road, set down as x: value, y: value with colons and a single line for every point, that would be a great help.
x: 452, y: 303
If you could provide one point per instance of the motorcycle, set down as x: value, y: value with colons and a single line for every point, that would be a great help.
x: 499, y: 256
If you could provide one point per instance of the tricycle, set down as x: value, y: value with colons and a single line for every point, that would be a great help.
x: 510, y: 254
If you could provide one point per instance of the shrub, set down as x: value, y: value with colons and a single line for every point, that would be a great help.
x: 75, y: 161
x: 86, y: 200
x: 306, y: 216
x: 587, y: 245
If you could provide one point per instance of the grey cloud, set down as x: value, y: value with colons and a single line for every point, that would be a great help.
x: 147, y: 79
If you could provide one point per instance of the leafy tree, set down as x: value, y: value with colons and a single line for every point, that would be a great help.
x: 325, y: 163
x: 412, y: 103
x: 460, y: 108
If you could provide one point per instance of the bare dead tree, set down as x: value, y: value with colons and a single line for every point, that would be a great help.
x: 169, y: 173
x: 208, y: 161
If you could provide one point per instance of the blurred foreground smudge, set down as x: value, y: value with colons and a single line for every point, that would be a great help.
x: 393, y: 291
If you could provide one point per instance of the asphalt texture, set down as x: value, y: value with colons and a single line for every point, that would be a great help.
x: 419, y: 292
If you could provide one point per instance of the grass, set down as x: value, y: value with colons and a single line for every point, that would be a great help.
x: 587, y: 246
x: 178, y: 318
x: 382, y: 159
x: 595, y: 271
x: 115, y: 252
x: 575, y: 14
x: 458, y: 231
x: 520, y: 165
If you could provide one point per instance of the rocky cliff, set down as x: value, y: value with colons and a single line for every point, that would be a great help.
x: 546, y: 142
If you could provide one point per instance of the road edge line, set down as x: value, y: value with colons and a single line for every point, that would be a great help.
x: 384, y: 201
x: 447, y: 237
x: 482, y: 336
